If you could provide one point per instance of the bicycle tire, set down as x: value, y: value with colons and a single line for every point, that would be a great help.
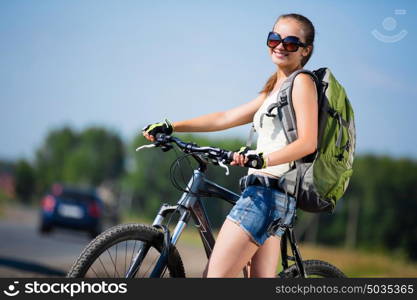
x: 124, y: 233
x: 313, y: 268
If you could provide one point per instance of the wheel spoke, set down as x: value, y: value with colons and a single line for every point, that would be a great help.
x: 133, y: 253
x: 111, y: 258
x: 125, y: 255
x: 104, y: 268
x: 150, y: 266
x: 115, y: 264
x: 163, y: 273
x: 94, y: 271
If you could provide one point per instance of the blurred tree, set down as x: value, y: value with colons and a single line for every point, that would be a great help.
x: 378, y: 209
x: 50, y: 158
x: 7, y: 180
x: 98, y: 156
x: 94, y: 155
x: 25, y: 181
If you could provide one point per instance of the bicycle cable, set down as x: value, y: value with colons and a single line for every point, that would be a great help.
x: 176, y: 164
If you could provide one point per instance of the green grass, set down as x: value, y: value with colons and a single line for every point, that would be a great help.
x: 356, y: 263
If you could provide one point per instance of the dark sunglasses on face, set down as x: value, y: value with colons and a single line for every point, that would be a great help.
x: 290, y: 43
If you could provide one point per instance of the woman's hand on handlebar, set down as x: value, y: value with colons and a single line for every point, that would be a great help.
x: 249, y: 158
x: 239, y: 157
x: 150, y: 131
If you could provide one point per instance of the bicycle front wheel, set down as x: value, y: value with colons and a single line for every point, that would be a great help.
x: 112, y: 253
x: 313, y: 268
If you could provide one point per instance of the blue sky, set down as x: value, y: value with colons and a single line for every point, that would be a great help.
x: 124, y: 64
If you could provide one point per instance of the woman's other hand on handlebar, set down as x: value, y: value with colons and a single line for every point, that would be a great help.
x: 245, y: 154
x: 239, y: 157
x: 239, y: 160
x: 150, y: 138
x: 150, y: 131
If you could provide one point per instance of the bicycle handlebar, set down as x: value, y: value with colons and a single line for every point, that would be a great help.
x: 220, y: 156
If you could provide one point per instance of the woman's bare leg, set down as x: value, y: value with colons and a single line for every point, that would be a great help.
x: 232, y: 251
x: 265, y: 261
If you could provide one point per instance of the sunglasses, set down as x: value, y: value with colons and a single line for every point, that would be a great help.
x: 290, y: 43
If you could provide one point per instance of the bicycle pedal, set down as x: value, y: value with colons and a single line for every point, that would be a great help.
x: 292, y: 258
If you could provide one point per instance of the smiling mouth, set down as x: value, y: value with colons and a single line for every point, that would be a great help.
x: 280, y: 54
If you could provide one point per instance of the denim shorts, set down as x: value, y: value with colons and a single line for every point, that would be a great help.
x: 258, y: 207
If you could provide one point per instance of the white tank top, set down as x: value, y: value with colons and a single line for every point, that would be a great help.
x: 271, y: 136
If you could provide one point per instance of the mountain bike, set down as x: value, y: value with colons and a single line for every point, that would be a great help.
x: 139, y: 250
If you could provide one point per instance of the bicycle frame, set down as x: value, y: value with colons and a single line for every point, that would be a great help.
x: 190, y: 205
x: 289, y: 236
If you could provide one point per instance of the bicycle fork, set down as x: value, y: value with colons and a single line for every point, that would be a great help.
x: 144, y: 247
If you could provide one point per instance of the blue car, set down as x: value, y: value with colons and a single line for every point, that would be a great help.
x: 71, y: 208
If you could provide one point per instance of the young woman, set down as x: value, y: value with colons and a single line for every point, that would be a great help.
x: 244, y: 236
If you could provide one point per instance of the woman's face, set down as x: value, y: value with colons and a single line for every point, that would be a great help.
x: 282, y: 58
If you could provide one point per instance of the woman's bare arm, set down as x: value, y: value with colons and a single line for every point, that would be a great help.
x: 239, y: 115
x: 306, y: 111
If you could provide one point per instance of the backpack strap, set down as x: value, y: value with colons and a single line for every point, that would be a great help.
x: 286, y: 115
x: 285, y: 107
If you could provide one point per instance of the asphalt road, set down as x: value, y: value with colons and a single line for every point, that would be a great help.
x: 26, y: 253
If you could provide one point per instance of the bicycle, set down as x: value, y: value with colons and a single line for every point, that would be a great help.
x: 155, y: 243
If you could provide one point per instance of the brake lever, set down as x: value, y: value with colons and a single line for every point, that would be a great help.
x: 145, y: 146
x: 159, y: 139
x: 221, y: 164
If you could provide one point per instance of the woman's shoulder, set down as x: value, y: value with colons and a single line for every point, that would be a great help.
x: 304, y: 81
x: 304, y: 88
x: 303, y: 78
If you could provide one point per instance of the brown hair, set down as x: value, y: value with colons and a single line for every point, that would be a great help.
x: 309, y: 31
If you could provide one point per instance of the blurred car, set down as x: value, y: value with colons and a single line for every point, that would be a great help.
x: 71, y: 208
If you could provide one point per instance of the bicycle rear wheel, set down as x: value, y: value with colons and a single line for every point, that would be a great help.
x: 112, y: 252
x: 313, y: 268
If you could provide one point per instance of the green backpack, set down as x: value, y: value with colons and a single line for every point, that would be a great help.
x: 320, y: 179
